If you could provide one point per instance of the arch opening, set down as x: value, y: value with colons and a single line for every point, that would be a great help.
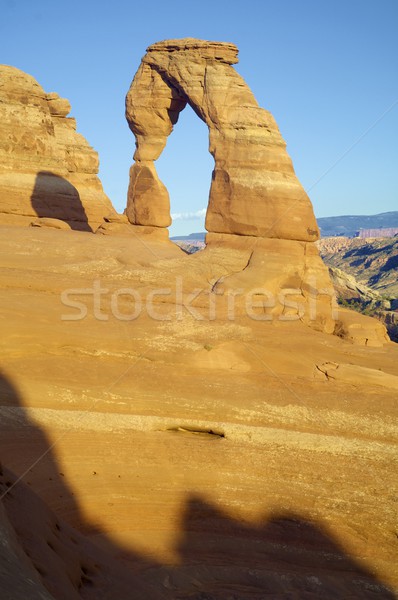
x: 185, y: 167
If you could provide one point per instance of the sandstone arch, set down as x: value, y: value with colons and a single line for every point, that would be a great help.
x: 258, y: 211
x: 254, y: 189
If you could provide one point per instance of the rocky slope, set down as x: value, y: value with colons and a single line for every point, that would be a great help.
x: 365, y: 300
x: 365, y: 276
x: 372, y: 262
x: 48, y: 171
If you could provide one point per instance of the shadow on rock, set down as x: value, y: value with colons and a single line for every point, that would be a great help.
x: 220, y: 558
x: 50, y: 554
x: 285, y: 557
x: 54, y: 197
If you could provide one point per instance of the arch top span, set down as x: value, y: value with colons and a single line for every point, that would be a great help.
x: 254, y: 190
x: 222, y: 51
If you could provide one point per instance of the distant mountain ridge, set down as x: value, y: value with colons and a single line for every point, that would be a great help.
x: 344, y: 225
x: 191, y: 237
x: 349, y: 225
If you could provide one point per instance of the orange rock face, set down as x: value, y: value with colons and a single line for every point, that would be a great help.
x: 254, y: 189
x: 47, y: 169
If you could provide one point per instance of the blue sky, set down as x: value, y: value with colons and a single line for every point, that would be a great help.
x: 328, y: 71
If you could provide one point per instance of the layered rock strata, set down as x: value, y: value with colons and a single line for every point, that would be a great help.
x: 47, y: 169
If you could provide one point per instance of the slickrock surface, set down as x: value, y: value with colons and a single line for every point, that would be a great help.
x: 254, y: 189
x: 47, y: 169
x: 172, y: 453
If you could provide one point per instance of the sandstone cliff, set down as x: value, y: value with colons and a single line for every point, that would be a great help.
x: 47, y: 169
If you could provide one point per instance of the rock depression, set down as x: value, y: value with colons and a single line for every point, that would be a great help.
x: 47, y: 169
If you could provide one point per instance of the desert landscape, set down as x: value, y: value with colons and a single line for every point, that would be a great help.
x: 208, y: 426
